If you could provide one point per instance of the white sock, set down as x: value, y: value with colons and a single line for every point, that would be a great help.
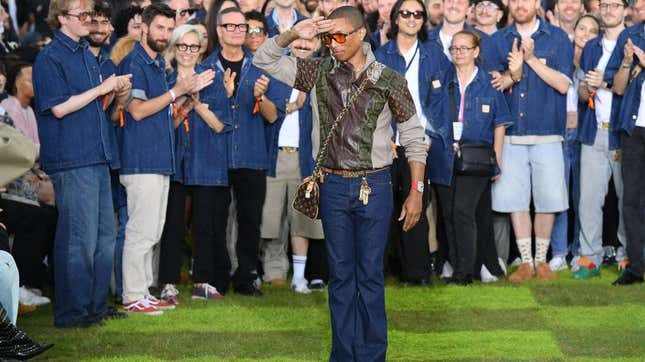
x: 541, y: 248
x: 524, y: 245
x: 299, y: 263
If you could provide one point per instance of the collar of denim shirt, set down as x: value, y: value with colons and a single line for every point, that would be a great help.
x: 158, y: 62
x: 69, y: 42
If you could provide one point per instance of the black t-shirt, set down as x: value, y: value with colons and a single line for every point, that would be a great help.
x: 235, y: 67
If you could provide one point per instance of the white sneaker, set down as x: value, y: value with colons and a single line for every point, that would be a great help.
x: 558, y: 263
x: 516, y: 262
x: 27, y: 297
x: 446, y: 271
x: 486, y: 275
x: 300, y: 286
x: 575, y: 266
x: 36, y: 291
x: 502, y: 264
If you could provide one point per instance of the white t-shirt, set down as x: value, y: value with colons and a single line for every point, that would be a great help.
x: 640, y: 121
x: 603, y: 96
x: 445, y: 41
x: 290, y: 129
x: 411, y: 58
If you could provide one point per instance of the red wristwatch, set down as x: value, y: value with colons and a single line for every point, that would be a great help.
x: 418, y: 185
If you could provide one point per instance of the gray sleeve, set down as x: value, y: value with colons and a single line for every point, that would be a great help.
x: 271, y: 59
x: 411, y: 137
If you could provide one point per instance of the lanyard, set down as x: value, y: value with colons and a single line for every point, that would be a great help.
x: 407, y: 67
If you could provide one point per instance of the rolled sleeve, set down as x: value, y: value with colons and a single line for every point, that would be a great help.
x: 411, y: 137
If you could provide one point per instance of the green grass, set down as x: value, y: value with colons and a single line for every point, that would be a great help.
x: 563, y: 321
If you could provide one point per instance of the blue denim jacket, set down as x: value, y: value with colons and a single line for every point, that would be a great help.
x: 305, y: 123
x: 272, y: 22
x: 147, y: 146
x: 487, y: 53
x: 484, y: 110
x: 538, y: 109
x: 107, y: 70
x: 206, y: 160
x: 587, y: 127
x: 628, y: 112
x: 246, y: 142
x: 62, y: 69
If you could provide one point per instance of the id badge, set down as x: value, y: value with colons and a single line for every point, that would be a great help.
x: 457, y: 130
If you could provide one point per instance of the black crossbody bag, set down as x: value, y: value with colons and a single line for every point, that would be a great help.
x: 472, y: 159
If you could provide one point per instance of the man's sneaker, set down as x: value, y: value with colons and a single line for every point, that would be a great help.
x: 113, y: 313
x: 205, y: 291
x: 575, y: 263
x: 558, y: 263
x: 543, y: 272
x: 169, y: 294
x: 159, y: 304
x: 522, y: 274
x: 587, y: 269
x: 142, y: 306
x: 447, y: 271
x: 317, y: 285
x: 486, y: 276
x: 300, y: 286
x: 27, y: 297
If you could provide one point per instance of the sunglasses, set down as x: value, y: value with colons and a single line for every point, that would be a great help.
x: 189, y: 11
x: 340, y: 38
x: 405, y: 14
x: 258, y: 31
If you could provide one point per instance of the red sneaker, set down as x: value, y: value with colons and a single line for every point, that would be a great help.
x: 143, y: 307
x: 159, y: 304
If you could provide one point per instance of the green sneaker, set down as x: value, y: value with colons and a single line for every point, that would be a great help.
x: 587, y: 272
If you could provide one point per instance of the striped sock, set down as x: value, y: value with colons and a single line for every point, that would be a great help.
x: 299, y: 263
x: 541, y: 248
x: 524, y: 245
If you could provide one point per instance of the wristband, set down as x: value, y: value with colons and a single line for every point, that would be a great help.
x: 626, y: 65
x: 173, y: 95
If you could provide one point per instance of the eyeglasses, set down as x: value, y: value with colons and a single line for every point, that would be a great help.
x: 233, y: 27
x: 257, y: 31
x: 459, y: 50
x: 405, y: 14
x: 83, y: 16
x: 194, y: 48
x: 490, y: 7
x: 340, y: 38
x: 606, y: 6
x: 183, y: 12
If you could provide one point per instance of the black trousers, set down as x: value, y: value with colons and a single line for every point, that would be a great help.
x: 34, y: 228
x: 317, y: 267
x: 172, y: 238
x: 633, y: 167
x: 467, y: 218
x: 249, y: 189
x: 410, y: 246
x: 210, y: 214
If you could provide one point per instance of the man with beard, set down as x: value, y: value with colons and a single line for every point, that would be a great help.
x: 355, y: 194
x: 76, y: 151
x: 435, y: 12
x: 535, y: 61
x: 147, y: 158
x: 310, y: 7
x: 565, y: 14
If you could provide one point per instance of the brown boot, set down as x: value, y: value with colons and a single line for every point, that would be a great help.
x: 544, y: 272
x: 522, y: 274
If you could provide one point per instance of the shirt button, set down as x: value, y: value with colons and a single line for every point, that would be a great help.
x: 634, y: 116
x: 235, y: 147
x: 233, y: 106
x: 522, y: 95
x: 521, y: 114
x: 236, y: 127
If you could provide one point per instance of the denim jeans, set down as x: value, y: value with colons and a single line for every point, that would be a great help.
x: 9, y: 285
x: 633, y: 167
x: 84, y: 243
x: 122, y: 219
x: 356, y: 235
x: 559, y: 237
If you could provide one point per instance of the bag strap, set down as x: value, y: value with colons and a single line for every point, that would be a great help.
x: 323, y: 151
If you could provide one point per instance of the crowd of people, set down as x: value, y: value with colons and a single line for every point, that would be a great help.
x: 173, y: 135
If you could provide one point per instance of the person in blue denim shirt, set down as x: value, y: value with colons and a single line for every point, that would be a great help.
x: 623, y: 74
x: 147, y: 154
x: 248, y: 160
x: 75, y: 151
x: 600, y: 151
x: 533, y: 65
x: 425, y: 69
x: 482, y: 116
x: 283, y: 16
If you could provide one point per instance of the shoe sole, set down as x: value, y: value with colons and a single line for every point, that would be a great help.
x: 153, y: 314
x: 196, y: 297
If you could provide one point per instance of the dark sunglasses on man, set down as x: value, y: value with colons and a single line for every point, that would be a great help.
x: 189, y: 11
x: 340, y: 38
x: 405, y: 14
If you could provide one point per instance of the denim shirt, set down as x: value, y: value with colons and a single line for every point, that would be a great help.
x: 538, y: 109
x: 587, y: 127
x: 487, y: 53
x: 272, y: 22
x: 107, y: 67
x: 246, y: 142
x: 182, y: 138
x: 305, y: 124
x: 628, y: 112
x: 206, y: 161
x: 62, y: 69
x: 485, y: 109
x: 147, y: 145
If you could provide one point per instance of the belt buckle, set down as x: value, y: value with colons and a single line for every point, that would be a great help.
x: 289, y: 149
x: 350, y: 174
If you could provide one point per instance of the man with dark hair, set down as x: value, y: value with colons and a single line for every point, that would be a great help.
x: 565, y: 14
x: 256, y: 33
x: 425, y: 68
x: 355, y: 194
x: 147, y: 157
x: 76, y: 151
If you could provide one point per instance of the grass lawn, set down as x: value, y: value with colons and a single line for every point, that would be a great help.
x: 563, y: 321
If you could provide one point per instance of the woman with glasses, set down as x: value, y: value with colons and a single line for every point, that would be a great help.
x: 477, y: 114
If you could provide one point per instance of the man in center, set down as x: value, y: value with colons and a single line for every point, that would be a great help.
x: 356, y: 195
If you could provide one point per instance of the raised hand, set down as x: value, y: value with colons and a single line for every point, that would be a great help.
x: 229, y: 82
x: 204, y: 79
x: 528, y: 46
x: 310, y: 28
x: 498, y: 80
x: 185, y: 85
x: 628, y: 51
x: 515, y: 61
x: 593, y: 78
x: 261, y: 86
